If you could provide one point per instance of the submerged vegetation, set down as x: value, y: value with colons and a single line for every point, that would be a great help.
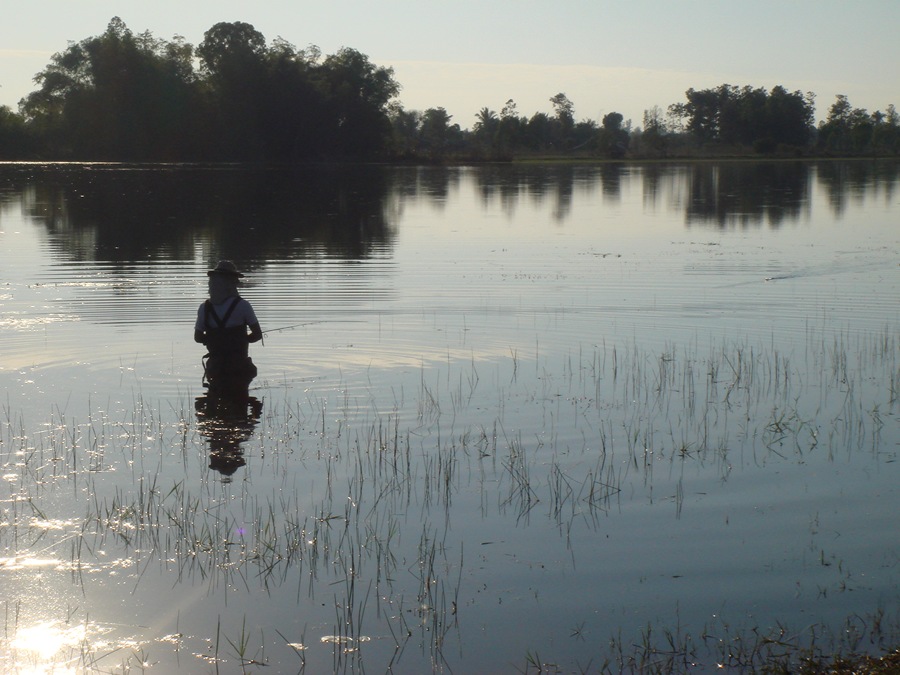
x: 368, y: 519
x: 125, y: 97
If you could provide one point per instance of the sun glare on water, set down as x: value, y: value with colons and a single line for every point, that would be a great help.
x: 47, y: 647
x: 19, y: 562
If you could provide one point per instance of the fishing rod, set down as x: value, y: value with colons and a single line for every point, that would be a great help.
x: 308, y: 323
x: 295, y: 325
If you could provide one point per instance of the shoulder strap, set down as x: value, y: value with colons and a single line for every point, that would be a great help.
x: 234, y: 303
x: 210, y: 313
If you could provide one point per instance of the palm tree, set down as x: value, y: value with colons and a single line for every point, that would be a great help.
x: 485, y: 128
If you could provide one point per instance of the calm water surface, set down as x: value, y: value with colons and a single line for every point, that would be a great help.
x: 635, y: 415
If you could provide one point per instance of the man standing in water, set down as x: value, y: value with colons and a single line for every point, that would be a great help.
x: 227, y: 324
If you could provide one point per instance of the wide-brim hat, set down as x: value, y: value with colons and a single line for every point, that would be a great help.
x: 226, y: 268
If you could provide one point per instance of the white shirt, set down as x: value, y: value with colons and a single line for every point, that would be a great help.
x: 242, y: 315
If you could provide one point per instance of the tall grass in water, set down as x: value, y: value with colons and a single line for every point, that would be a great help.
x: 353, y: 511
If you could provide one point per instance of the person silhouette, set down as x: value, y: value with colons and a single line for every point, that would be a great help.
x: 226, y: 324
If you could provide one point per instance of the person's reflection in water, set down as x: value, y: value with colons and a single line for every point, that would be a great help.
x: 226, y: 423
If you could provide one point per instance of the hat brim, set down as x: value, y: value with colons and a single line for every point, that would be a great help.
x: 225, y: 273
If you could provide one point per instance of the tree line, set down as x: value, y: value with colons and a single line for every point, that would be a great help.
x: 121, y: 96
x: 236, y: 98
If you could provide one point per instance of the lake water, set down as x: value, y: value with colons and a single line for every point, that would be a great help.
x: 507, y: 418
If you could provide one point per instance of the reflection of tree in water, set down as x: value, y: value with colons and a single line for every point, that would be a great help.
x: 743, y: 194
x: 226, y: 424
x: 844, y: 180
x: 654, y: 177
x: 121, y: 214
x: 117, y: 213
x: 543, y: 182
x: 437, y: 182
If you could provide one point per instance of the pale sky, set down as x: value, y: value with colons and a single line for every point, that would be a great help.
x: 606, y: 55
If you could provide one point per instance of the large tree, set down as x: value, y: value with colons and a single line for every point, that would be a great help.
x: 233, y: 67
x: 292, y: 106
x: 655, y: 131
x: 614, y: 137
x: 702, y: 111
x: 357, y: 95
x: 438, y: 136
x: 487, y: 124
x: 14, y: 138
x: 510, y: 128
x: 790, y: 116
x: 564, y: 121
x: 405, y: 126
x: 132, y: 97
x: 747, y: 116
x: 114, y: 96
